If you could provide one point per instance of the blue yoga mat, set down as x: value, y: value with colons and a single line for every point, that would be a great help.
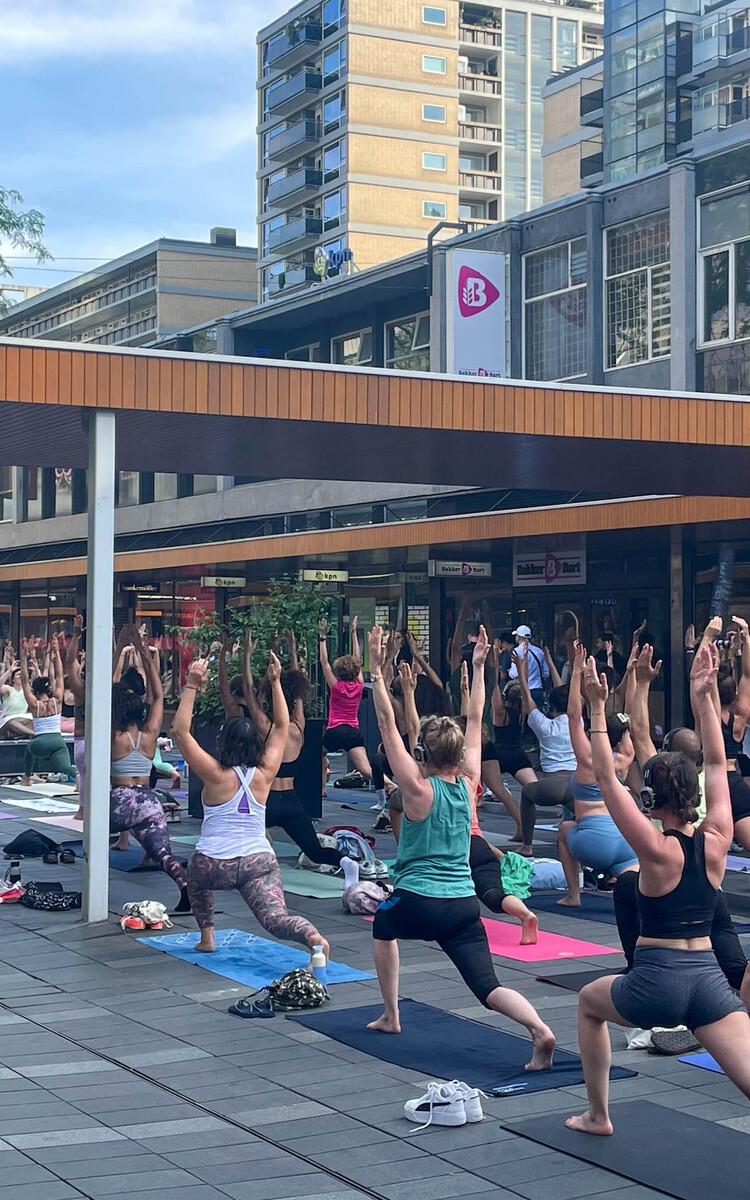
x: 252, y: 961
x: 441, y: 1045
x: 595, y: 906
x: 702, y: 1059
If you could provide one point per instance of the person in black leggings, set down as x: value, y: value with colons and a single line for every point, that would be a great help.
x: 284, y: 808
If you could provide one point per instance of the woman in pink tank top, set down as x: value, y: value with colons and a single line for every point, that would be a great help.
x: 346, y: 684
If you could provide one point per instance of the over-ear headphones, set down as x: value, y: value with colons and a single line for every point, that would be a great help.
x: 420, y: 752
x: 648, y: 795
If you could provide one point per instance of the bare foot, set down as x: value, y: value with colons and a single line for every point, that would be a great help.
x: 587, y: 1124
x: 517, y: 837
x: 530, y: 930
x: 206, y: 945
x: 544, y: 1047
x: 78, y: 815
x: 569, y: 902
x: 526, y: 851
x: 386, y: 1024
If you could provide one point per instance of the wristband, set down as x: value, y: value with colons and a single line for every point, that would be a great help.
x: 599, y: 731
x: 190, y: 687
x: 375, y: 678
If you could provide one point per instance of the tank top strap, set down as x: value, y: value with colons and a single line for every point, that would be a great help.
x: 244, y: 781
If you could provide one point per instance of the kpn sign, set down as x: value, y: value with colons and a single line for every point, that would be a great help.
x: 475, y: 317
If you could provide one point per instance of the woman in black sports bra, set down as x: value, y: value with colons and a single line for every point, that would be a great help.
x: 284, y: 808
x: 675, y: 978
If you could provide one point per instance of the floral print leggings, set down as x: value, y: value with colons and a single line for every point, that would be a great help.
x: 138, y: 809
x: 258, y: 880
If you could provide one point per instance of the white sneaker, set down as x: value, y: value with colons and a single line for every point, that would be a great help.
x: 470, y: 1097
x: 440, y: 1105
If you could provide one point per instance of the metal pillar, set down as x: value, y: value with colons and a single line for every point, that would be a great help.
x: 99, y: 602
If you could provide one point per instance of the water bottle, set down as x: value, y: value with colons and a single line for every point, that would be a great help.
x: 319, y: 966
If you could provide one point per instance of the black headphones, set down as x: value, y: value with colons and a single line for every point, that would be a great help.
x: 648, y: 795
x: 420, y: 752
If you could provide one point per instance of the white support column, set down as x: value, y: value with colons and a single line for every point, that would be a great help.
x: 99, y: 599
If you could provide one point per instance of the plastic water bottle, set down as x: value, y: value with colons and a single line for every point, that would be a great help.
x: 319, y: 966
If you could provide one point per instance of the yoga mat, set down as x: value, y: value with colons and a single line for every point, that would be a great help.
x: 44, y: 789
x: 41, y: 804
x: 185, y: 839
x: 504, y: 939
x: 60, y: 822
x: 441, y: 1045
x: 8, y: 816
x: 310, y: 883
x: 286, y: 850
x: 252, y: 961
x: 130, y: 860
x: 702, y: 1059
x: 594, y: 906
x: 735, y: 863
x: 573, y: 981
x: 659, y: 1147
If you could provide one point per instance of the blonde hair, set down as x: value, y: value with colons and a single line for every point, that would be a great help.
x: 444, y: 740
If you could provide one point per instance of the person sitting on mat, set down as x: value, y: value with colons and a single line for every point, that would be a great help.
x: 675, y: 979
x: 434, y: 897
x: 592, y: 839
x: 233, y: 851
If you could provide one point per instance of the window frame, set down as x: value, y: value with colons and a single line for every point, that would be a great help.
x: 313, y: 349
x: 543, y: 296
x: 648, y: 270
x: 431, y: 8
x: 392, y: 364
x: 434, y: 154
x: 360, y: 333
x: 436, y: 120
x: 433, y: 216
x: 704, y: 252
x: 434, y: 58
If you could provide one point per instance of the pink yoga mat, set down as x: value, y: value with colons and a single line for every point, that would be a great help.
x: 504, y: 939
x: 61, y: 822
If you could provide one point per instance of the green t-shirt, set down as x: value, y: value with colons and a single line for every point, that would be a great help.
x: 433, y: 854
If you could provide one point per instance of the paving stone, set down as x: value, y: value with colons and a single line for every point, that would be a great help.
x: 162, y: 1129
x: 323, y: 1187
x: 282, y: 1114
x: 586, y: 1182
x: 54, y: 1190
x: 282, y: 1167
x: 125, y: 1164
x: 134, y: 1183
x: 61, y: 1137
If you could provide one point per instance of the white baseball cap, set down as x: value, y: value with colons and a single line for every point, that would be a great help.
x: 522, y: 631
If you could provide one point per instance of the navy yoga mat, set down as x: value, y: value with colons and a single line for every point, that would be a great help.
x: 442, y: 1046
x: 573, y: 981
x: 595, y: 906
x: 659, y: 1147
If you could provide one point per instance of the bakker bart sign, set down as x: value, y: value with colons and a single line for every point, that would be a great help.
x: 475, y: 330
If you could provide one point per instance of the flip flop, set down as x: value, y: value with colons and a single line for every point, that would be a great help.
x: 247, y: 1007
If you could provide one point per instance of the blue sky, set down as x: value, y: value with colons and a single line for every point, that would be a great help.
x: 130, y: 120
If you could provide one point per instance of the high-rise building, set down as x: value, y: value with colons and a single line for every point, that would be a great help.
x: 378, y: 120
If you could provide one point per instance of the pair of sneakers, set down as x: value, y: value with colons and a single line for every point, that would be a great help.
x: 373, y: 870
x: 453, y: 1103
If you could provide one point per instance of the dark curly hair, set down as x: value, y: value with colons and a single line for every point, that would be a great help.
x: 133, y: 680
x: 41, y: 686
x: 346, y: 668
x: 294, y: 684
x: 674, y: 779
x: 128, y: 706
x: 239, y: 744
x: 727, y: 688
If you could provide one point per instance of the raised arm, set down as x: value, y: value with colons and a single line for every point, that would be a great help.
x: 579, y: 741
x: 58, y: 686
x: 356, y: 652
x: 291, y: 642
x: 328, y: 674
x: 199, y: 760
x: 522, y: 666
x: 229, y: 702
x: 637, y: 829
x: 497, y: 703
x: 718, y: 821
x: 259, y: 718
x: 475, y: 714
x: 554, y: 674
x: 742, y: 704
x: 418, y: 654
x: 411, y: 716
x: 640, y: 722
x: 415, y: 789
x: 30, y: 697
x: 72, y: 665
x: 458, y: 633
x: 464, y: 689
x: 279, y: 732
x: 153, y: 682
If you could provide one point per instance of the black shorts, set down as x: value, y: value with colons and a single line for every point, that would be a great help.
x: 485, y: 871
x: 739, y: 795
x: 489, y: 752
x: 342, y: 737
x: 513, y: 760
x: 453, y: 923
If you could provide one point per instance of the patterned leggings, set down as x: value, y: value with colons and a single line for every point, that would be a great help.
x: 258, y: 880
x: 138, y: 809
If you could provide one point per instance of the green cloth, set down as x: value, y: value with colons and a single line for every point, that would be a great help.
x: 515, y: 874
x: 433, y: 854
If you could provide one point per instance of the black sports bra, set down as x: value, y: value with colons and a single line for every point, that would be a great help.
x: 688, y: 910
x: 288, y: 770
x: 731, y: 746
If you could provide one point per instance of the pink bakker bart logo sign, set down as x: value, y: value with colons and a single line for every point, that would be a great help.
x: 475, y: 292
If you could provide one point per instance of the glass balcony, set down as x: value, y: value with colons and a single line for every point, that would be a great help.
x: 298, y: 185
x: 293, y: 46
x: 295, y: 233
x: 592, y: 102
x: 291, y: 279
x: 295, y: 141
x: 293, y: 94
x: 734, y: 112
x: 592, y: 168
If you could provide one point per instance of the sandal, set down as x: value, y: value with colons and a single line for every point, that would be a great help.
x: 248, y: 1007
x: 67, y: 856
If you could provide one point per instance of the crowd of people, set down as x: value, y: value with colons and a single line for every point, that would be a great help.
x: 653, y: 825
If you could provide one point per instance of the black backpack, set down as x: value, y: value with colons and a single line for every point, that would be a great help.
x: 30, y: 844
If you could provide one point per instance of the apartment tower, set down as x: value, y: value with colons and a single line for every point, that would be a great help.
x: 380, y: 118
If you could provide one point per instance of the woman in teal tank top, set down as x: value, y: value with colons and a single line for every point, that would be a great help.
x: 434, y: 897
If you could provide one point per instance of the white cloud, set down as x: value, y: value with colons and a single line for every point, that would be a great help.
x: 49, y: 29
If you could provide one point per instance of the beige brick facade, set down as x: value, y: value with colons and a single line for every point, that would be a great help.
x: 393, y: 109
x: 404, y: 15
x: 370, y: 249
x: 397, y: 158
x: 386, y: 58
x: 562, y: 173
x: 398, y: 207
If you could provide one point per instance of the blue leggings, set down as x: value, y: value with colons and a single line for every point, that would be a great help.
x: 597, y: 842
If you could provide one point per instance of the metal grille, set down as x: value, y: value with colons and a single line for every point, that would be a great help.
x: 627, y: 324
x: 547, y: 271
x: 556, y: 336
x: 641, y: 243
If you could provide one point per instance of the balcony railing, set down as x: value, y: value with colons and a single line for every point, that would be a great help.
x: 294, y: 141
x: 294, y: 233
x: 299, y: 184
x: 485, y: 85
x: 477, y: 131
x: 293, y: 45
x: 479, y: 180
x: 293, y: 94
x: 477, y: 223
x: 734, y: 112
x: 592, y: 101
x: 591, y: 166
x: 293, y: 277
x: 589, y: 52
x: 480, y: 35
x: 734, y: 42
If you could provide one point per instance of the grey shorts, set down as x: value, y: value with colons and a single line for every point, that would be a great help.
x: 674, y: 987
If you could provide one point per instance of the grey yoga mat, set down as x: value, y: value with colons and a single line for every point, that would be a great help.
x: 659, y: 1147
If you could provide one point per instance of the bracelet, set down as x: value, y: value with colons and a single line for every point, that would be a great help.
x: 599, y: 731
x: 190, y: 687
x: 375, y: 678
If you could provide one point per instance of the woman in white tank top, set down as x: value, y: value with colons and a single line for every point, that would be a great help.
x: 47, y: 750
x: 233, y: 851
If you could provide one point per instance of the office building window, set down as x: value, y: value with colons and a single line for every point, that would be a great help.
x: 433, y: 208
x: 334, y: 16
x: 6, y: 493
x: 638, y: 292
x: 433, y: 112
x: 334, y: 111
x: 334, y: 63
x: 433, y: 16
x: 128, y: 488
x: 434, y: 64
x: 334, y: 209
x: 407, y: 343
x: 353, y: 349
x: 309, y: 353
x: 334, y: 159
x: 555, y: 311
x: 63, y: 491
x: 434, y: 162
x: 165, y: 486
x: 567, y: 44
x: 724, y: 267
